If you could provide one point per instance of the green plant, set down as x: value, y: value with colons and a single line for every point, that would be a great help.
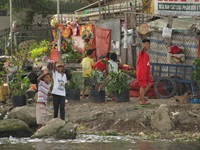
x: 38, y: 51
x: 13, y: 61
x: 72, y: 57
x: 18, y: 84
x: 97, y: 78
x: 75, y: 81
x: 2, y: 77
x: 116, y: 82
x: 18, y: 59
x: 196, y: 72
x: 145, y: 106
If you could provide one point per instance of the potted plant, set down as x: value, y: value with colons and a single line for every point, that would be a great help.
x: 73, y: 88
x: 117, y: 84
x: 18, y: 89
x: 97, y: 93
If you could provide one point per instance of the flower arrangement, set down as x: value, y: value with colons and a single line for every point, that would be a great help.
x: 64, y: 46
x: 87, y: 34
x: 41, y: 52
x: 13, y: 64
x: 42, y: 59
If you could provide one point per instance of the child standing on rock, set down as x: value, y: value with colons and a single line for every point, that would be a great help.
x: 59, y: 92
x: 43, y: 89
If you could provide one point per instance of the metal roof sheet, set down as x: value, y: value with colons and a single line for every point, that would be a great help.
x: 177, y: 23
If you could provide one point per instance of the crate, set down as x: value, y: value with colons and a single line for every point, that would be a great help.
x: 3, y: 93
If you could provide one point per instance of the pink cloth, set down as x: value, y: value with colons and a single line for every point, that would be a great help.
x: 102, y: 41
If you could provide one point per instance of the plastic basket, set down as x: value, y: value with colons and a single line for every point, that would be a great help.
x: 194, y: 100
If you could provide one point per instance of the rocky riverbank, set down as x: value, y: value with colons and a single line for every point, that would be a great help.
x: 163, y: 118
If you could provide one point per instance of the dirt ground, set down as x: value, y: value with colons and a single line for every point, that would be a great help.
x: 130, y: 118
x: 113, y: 117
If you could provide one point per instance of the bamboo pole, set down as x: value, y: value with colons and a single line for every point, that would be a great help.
x: 58, y: 30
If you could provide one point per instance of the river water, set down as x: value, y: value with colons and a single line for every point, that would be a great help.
x: 93, y: 142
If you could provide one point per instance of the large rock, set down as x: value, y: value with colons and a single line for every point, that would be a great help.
x: 69, y: 131
x: 25, y: 113
x: 161, y: 119
x: 15, y: 128
x: 49, y: 129
x: 184, y: 117
x: 57, y: 128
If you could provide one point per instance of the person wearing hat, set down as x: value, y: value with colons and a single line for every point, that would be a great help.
x: 59, y: 92
x: 87, y: 64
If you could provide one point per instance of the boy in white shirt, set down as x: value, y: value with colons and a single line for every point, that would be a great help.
x: 59, y: 92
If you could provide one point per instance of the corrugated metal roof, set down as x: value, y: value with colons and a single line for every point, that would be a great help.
x: 177, y: 23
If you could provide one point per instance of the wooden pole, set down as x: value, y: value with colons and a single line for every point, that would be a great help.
x: 125, y: 28
x: 11, y: 29
x: 108, y: 9
x: 99, y: 9
x: 133, y: 26
x: 105, y: 4
x: 170, y: 20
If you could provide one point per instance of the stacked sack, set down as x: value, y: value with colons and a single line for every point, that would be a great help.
x: 135, y: 88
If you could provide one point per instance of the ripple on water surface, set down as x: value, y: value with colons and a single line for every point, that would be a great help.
x: 93, y: 142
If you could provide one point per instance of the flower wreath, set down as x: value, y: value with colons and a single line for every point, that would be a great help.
x: 86, y: 33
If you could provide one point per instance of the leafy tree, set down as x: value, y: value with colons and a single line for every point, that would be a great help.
x: 44, y: 7
x: 30, y: 8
